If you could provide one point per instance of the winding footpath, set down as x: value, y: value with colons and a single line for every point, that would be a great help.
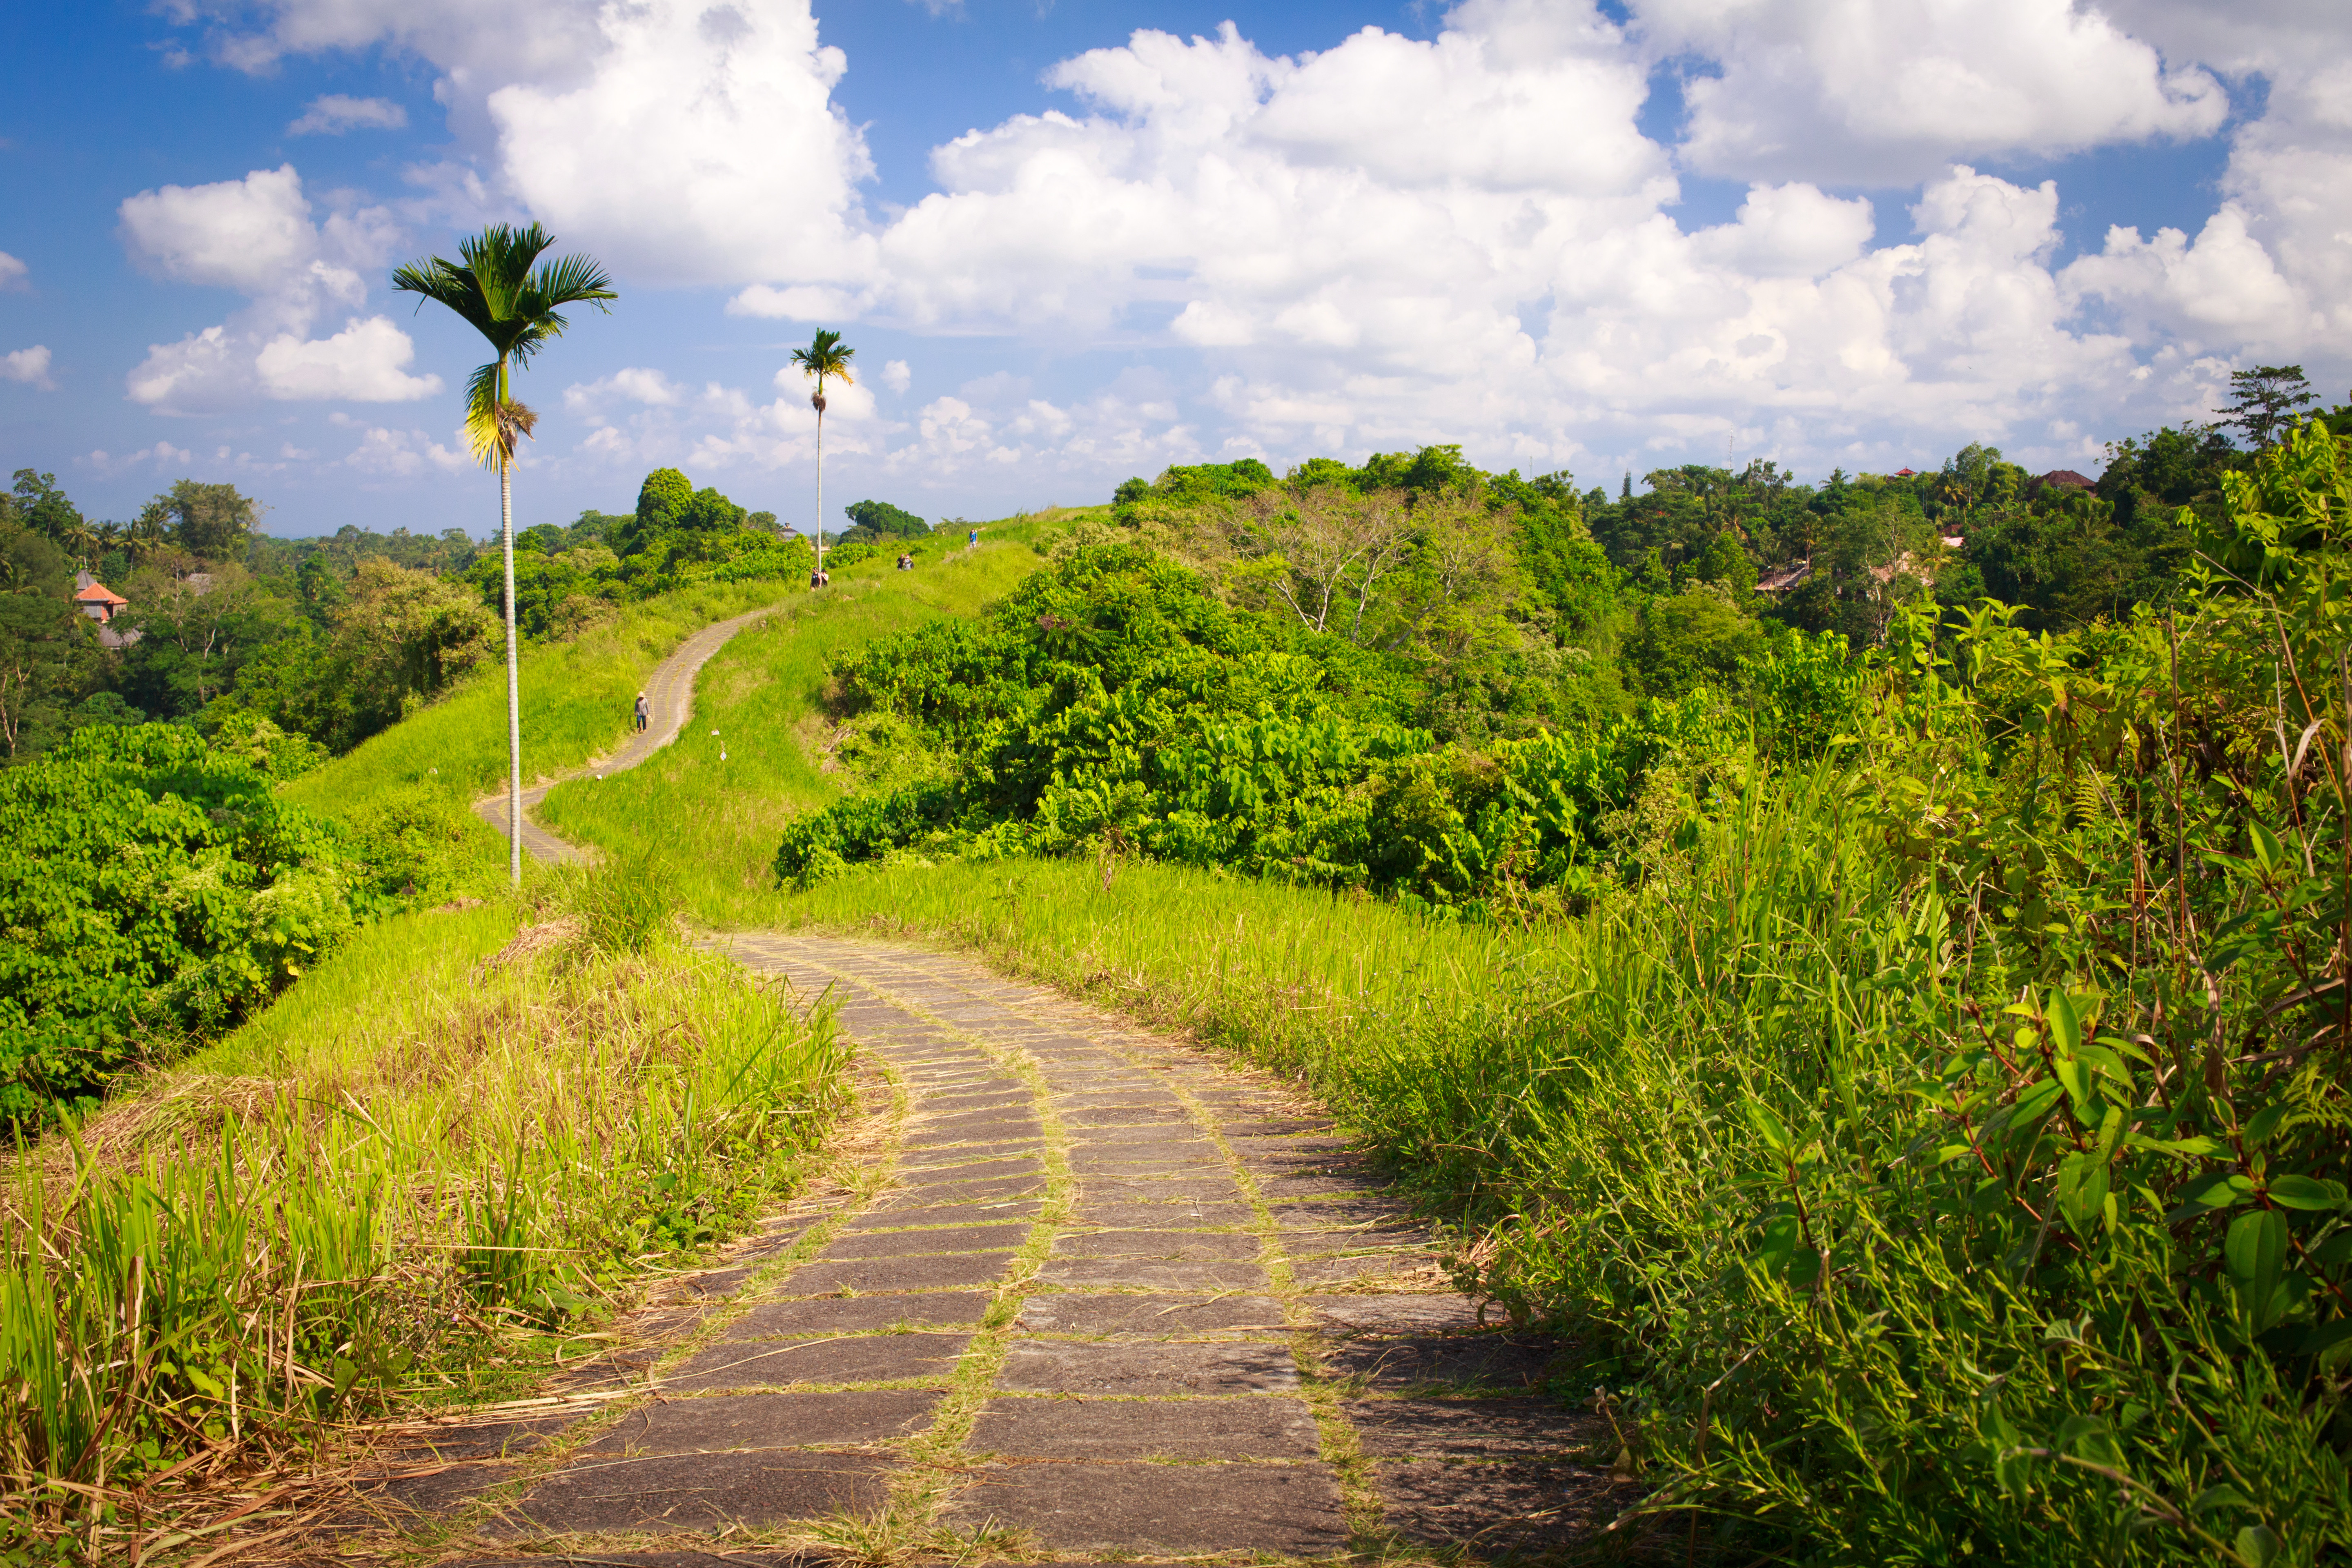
x: 1069, y: 1291
x: 669, y: 693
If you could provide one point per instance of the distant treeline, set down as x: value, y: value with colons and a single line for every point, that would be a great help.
x: 291, y: 649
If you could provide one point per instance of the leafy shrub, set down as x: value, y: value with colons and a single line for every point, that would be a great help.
x: 412, y: 842
x: 157, y: 891
x: 1115, y: 699
x: 1958, y: 1165
x: 624, y: 905
x: 273, y: 752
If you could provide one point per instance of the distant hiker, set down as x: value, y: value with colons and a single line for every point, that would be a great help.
x: 905, y: 564
x: 645, y: 711
x: 972, y: 538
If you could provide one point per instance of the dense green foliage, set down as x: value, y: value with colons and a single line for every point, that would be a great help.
x: 569, y: 578
x: 1115, y: 697
x: 157, y: 891
x: 878, y: 519
x: 1930, y: 1113
x: 170, y: 879
x: 708, y: 808
x: 1951, y: 1148
x: 332, y: 639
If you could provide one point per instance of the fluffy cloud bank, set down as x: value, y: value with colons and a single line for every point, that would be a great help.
x: 1468, y: 237
x: 256, y: 235
x: 1885, y: 91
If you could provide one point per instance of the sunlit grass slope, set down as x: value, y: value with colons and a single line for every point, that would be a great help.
x: 576, y: 703
x: 708, y: 809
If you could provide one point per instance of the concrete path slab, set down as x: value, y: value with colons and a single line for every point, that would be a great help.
x: 1088, y: 1295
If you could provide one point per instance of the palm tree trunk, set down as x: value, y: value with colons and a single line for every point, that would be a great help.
x: 820, y: 485
x: 514, y: 686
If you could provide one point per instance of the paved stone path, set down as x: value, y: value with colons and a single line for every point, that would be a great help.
x: 1077, y: 1292
x: 1080, y: 1291
x: 669, y: 693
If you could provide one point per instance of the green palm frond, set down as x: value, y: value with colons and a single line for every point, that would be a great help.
x: 572, y: 280
x: 824, y: 357
x: 501, y: 290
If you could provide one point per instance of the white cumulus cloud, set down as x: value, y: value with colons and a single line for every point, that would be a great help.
x: 367, y: 362
x: 257, y: 236
x: 251, y: 234
x: 1884, y: 92
x: 701, y: 147
x: 636, y: 383
x: 30, y: 366
x: 12, y: 272
x: 401, y: 454
x: 1397, y: 239
x: 2222, y: 286
x: 163, y: 454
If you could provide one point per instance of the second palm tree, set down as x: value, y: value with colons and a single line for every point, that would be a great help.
x: 823, y: 357
x: 505, y: 292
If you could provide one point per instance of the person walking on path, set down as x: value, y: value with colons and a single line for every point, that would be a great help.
x: 644, y: 713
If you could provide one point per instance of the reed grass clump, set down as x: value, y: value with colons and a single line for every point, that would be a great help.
x: 468, y: 1125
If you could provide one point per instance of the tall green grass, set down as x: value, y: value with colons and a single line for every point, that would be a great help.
x: 1699, y: 1130
x: 709, y: 809
x: 463, y: 1124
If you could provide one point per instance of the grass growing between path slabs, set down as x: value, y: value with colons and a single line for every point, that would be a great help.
x: 708, y: 808
x: 452, y: 1145
x: 1295, y: 979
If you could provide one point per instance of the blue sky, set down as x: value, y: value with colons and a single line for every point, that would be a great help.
x: 1077, y: 241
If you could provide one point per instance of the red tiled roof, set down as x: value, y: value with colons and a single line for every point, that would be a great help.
x: 99, y: 594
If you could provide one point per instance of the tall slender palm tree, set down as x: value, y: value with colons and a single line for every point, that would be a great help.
x: 823, y: 357
x: 501, y: 290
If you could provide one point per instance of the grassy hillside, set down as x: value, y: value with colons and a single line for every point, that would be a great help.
x: 708, y: 811
x: 576, y: 703
x: 369, y: 1181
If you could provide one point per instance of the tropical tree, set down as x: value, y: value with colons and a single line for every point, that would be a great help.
x: 824, y: 356
x: 81, y: 540
x: 2267, y: 397
x: 502, y: 289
